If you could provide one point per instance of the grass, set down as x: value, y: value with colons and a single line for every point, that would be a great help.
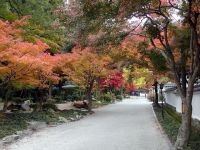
x: 171, y: 124
x: 11, y: 123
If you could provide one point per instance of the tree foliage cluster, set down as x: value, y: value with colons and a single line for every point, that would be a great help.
x: 43, y: 23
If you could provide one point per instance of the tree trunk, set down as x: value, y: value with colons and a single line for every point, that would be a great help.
x: 156, y: 93
x: 7, y: 95
x: 111, y: 93
x: 50, y: 92
x: 89, y: 97
x: 99, y: 92
x: 185, y: 128
x: 40, y: 99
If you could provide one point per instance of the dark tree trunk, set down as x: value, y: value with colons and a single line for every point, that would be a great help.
x: 183, y: 72
x: 40, y: 99
x: 89, y: 95
x: 156, y: 93
x: 89, y: 98
x: 6, y: 97
x: 185, y: 128
x: 50, y: 92
x: 98, y: 90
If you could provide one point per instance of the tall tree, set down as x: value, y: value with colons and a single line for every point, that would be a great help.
x: 17, y: 58
x: 24, y: 64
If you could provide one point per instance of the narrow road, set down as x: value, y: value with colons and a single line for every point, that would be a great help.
x: 128, y: 125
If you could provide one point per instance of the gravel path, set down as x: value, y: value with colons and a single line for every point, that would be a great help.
x: 128, y: 125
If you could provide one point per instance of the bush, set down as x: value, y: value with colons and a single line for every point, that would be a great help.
x: 106, y: 97
x: 119, y: 97
x: 48, y: 106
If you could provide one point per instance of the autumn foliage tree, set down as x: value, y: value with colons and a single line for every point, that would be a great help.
x: 86, y: 69
x: 23, y: 64
x: 130, y: 87
x: 114, y: 81
x: 17, y: 58
x: 47, y: 74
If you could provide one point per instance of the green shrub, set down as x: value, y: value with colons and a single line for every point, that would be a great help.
x: 106, y: 97
x: 119, y: 97
x: 48, y: 106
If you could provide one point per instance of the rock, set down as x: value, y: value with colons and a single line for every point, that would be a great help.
x: 65, y: 106
x: 78, y: 117
x: 36, y: 125
x: 10, y: 139
x: 72, y: 119
x: 51, y: 110
x: 26, y: 105
x: 24, y: 133
x: 81, y: 104
x: 8, y: 112
x: 62, y: 119
x: 20, y: 133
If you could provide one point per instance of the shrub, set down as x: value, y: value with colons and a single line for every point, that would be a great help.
x: 48, y: 106
x: 119, y: 97
x: 106, y: 97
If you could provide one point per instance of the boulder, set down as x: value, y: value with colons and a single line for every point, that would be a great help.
x: 36, y: 125
x: 65, y: 106
x: 10, y: 139
x: 26, y: 105
x: 81, y: 104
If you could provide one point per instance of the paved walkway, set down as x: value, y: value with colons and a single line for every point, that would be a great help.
x: 128, y: 125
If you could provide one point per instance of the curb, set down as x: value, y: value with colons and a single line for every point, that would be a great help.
x: 162, y: 130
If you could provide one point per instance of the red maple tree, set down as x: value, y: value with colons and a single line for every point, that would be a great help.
x: 113, y: 81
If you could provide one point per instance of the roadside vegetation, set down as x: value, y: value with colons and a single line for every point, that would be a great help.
x: 171, y: 124
x: 12, y: 123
